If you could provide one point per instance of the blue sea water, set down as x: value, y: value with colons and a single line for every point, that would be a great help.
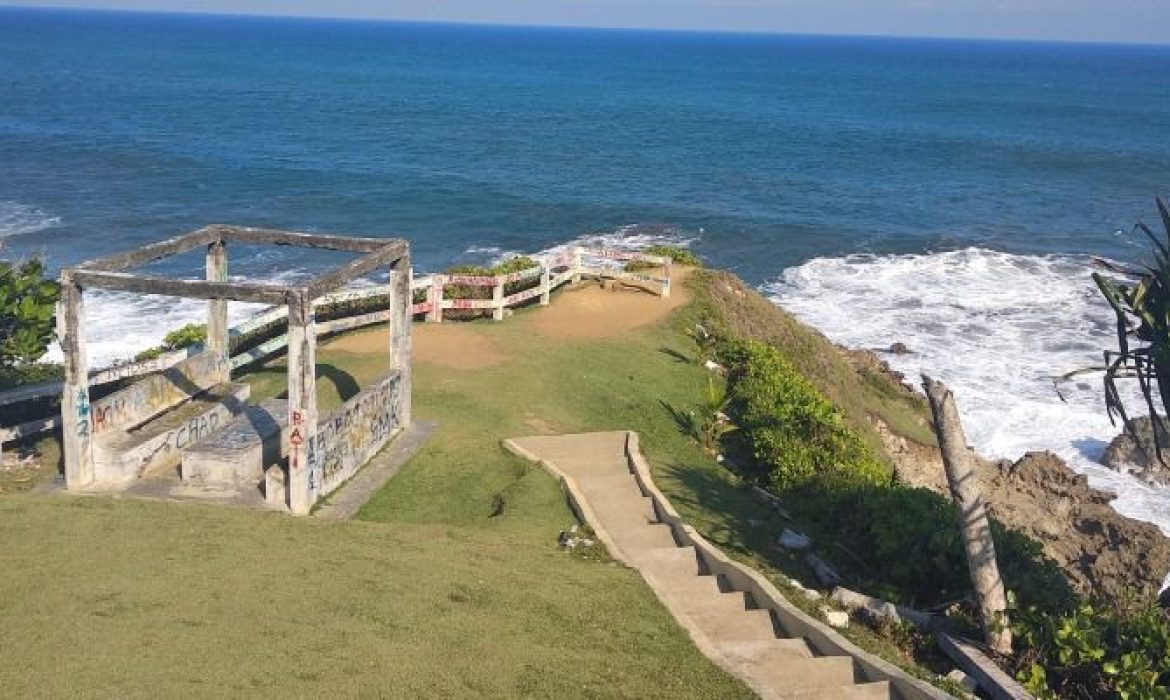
x: 940, y: 193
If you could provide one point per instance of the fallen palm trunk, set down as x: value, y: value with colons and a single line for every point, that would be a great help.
x: 972, y: 513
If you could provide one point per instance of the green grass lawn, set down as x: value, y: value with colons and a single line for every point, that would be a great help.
x: 435, y: 590
x: 426, y: 596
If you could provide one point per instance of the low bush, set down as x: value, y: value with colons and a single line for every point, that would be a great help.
x: 677, y: 254
x: 793, y: 432
x: 908, y: 548
x: 188, y: 335
x: 1110, y: 651
x: 518, y: 263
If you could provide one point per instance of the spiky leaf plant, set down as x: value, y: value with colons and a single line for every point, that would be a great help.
x: 1140, y: 297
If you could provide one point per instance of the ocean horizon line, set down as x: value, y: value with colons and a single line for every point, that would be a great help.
x: 583, y: 29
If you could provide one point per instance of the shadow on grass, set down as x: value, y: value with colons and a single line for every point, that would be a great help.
x: 346, y: 386
x: 677, y: 356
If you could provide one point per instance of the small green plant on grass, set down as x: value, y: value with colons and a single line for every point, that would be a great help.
x: 706, y: 343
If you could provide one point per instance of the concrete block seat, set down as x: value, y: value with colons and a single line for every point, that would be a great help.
x: 241, y: 450
x: 156, y: 445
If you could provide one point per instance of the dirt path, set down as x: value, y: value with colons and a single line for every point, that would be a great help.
x: 590, y: 311
x: 585, y: 311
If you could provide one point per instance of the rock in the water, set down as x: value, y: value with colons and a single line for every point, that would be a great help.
x: 791, y: 539
x: 1125, y: 454
x: 899, y: 349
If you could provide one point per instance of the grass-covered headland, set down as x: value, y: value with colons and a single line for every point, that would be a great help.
x: 451, y: 583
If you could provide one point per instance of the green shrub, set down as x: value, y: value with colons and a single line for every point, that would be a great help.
x: 517, y: 263
x: 882, y: 524
x: 792, y: 431
x: 677, y: 254
x: 31, y: 373
x: 27, y: 307
x: 1108, y: 651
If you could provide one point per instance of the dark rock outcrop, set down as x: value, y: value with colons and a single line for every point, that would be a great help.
x: 1138, y: 457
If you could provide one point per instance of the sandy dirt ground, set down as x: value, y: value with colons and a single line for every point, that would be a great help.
x: 588, y: 310
x: 454, y: 345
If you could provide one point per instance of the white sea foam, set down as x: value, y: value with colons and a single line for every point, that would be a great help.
x: 628, y: 237
x: 119, y: 325
x: 18, y: 219
x: 997, y: 328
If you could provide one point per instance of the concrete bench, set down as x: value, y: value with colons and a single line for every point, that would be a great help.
x: 240, y: 451
x: 145, y: 427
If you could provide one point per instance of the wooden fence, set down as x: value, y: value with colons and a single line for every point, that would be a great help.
x: 571, y: 266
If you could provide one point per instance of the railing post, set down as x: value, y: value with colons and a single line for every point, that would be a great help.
x: 435, y: 299
x: 545, y: 284
x: 217, y: 310
x: 76, y: 423
x: 304, y: 475
x: 498, y: 300
x: 576, y: 265
x: 666, y: 279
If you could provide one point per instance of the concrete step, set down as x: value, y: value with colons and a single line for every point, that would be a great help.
x: 861, y: 691
x: 614, y: 486
x: 680, y: 560
x: 623, y: 512
x: 797, y: 677
x: 749, y: 625
x: 644, y: 537
x: 241, y: 450
x: 767, y: 651
x: 712, y: 600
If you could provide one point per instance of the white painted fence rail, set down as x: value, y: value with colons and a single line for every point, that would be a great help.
x: 573, y: 265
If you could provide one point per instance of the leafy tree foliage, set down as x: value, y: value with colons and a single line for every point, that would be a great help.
x: 27, y: 313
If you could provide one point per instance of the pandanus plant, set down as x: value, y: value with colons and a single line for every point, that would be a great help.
x: 1140, y: 296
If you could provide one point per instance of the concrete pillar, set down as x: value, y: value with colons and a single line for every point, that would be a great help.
x: 76, y: 424
x: 304, y: 471
x: 435, y: 299
x: 545, y: 284
x: 498, y: 300
x: 400, y: 335
x: 217, y: 310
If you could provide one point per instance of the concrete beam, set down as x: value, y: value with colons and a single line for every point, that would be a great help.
x: 194, y: 289
x: 391, y: 253
x: 155, y: 251
x: 351, y: 244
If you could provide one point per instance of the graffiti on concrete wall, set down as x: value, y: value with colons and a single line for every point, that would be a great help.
x: 350, y: 436
x: 154, y: 394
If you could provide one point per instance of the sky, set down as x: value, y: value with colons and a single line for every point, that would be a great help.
x: 1139, y: 21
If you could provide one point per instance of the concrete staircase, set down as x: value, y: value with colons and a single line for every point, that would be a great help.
x: 746, y: 636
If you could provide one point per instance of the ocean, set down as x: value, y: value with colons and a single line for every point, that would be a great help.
x: 943, y: 194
